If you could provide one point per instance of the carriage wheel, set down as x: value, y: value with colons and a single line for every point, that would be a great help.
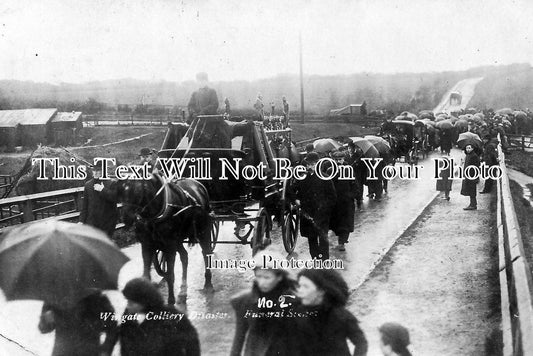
x: 160, y: 263
x: 213, y: 234
x: 289, y: 230
x: 261, y: 236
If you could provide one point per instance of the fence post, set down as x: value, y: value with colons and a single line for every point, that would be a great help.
x: 523, y: 143
x: 27, y: 211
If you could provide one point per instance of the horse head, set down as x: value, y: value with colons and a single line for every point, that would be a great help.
x: 137, y: 198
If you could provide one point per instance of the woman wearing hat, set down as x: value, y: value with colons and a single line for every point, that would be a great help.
x: 323, y: 325
x: 394, y: 340
x: 150, y: 328
x: 264, y: 335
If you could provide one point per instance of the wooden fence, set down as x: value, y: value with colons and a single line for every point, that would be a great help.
x: 514, y: 273
x: 521, y: 142
x: 6, y: 181
x: 62, y: 204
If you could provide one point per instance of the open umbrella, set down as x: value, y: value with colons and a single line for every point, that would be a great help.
x: 444, y: 125
x: 520, y: 114
x: 325, y: 145
x: 369, y: 150
x: 426, y: 114
x: 504, y: 111
x: 380, y: 143
x: 462, y: 123
x: 468, y: 138
x: 57, y: 262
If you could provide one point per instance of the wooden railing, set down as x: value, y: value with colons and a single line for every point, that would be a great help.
x: 515, y: 276
x: 5, y: 183
x: 62, y: 204
x: 521, y: 142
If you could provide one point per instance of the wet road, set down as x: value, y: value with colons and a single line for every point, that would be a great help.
x: 466, y: 88
x: 377, y: 227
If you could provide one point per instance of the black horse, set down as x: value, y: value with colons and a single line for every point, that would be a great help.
x: 165, y: 214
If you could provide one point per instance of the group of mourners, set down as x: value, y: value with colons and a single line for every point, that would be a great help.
x: 308, y: 317
x: 331, y: 204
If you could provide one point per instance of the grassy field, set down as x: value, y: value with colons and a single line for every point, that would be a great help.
x: 521, y: 161
x: 127, y: 152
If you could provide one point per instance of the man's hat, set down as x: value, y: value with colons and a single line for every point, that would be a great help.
x: 145, y: 151
x: 311, y: 157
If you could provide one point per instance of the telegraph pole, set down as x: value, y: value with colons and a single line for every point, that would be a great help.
x: 301, y: 82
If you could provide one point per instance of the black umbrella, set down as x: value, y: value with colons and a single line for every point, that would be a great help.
x: 57, y: 262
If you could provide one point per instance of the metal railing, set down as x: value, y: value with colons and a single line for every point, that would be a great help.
x: 515, y: 277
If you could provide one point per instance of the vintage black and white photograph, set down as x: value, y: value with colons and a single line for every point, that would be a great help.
x: 266, y: 178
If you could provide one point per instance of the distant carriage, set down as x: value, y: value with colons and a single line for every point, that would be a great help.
x: 410, y: 140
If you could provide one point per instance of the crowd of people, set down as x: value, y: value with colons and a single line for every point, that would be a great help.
x: 309, y: 318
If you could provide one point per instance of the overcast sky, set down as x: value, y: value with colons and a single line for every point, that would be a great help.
x: 83, y: 40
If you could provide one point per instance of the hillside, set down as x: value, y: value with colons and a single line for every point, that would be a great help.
x: 503, y: 86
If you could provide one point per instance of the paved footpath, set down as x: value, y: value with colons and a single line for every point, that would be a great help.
x: 436, y: 281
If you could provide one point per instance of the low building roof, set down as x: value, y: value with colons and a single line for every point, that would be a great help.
x: 12, y: 118
x: 64, y: 116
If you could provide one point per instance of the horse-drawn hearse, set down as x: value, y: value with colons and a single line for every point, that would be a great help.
x: 236, y: 195
x: 233, y: 166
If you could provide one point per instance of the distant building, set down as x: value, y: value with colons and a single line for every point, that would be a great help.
x: 27, y: 127
x: 65, y: 128
x: 356, y: 110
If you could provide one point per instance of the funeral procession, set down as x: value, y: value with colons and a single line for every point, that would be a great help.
x: 254, y: 178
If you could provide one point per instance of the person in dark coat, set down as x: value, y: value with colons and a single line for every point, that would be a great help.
x: 490, y: 157
x: 446, y: 137
x: 78, y: 328
x: 153, y: 329
x: 264, y: 336
x: 343, y: 214
x: 445, y: 180
x: 99, y: 206
x: 204, y: 101
x: 317, y: 198
x: 325, y: 325
x: 468, y: 187
x: 394, y: 340
x: 360, y: 171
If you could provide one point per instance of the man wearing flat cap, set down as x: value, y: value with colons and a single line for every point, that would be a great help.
x: 317, y: 198
x: 146, y: 155
x: 204, y: 101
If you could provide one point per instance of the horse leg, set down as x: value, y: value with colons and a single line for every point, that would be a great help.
x: 148, y: 255
x: 205, y: 244
x: 171, y: 260
x: 184, y: 258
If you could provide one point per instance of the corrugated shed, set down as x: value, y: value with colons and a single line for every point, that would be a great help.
x: 67, y: 116
x: 12, y: 118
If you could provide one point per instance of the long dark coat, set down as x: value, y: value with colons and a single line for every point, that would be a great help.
x: 317, y: 197
x: 469, y: 186
x: 343, y: 214
x: 446, y: 138
x: 159, y: 337
x: 99, y: 209
x: 490, y: 153
x: 204, y: 101
x: 445, y: 180
x: 264, y: 336
x: 78, y: 329
x: 324, y: 332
